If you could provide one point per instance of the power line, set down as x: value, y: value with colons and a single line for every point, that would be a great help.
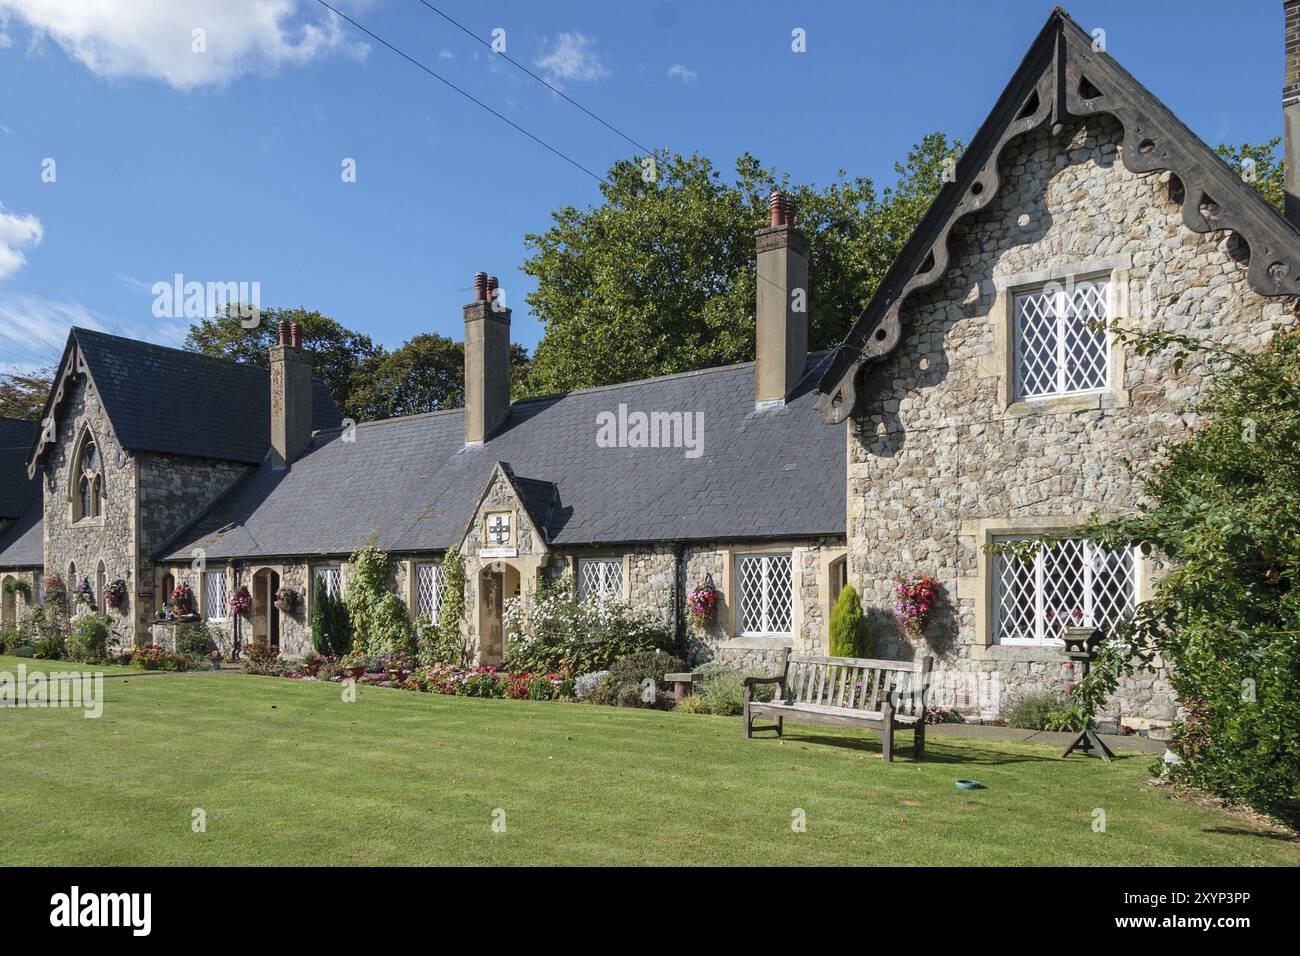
x: 473, y: 99
x: 511, y: 60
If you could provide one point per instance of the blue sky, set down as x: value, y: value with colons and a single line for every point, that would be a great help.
x: 224, y: 165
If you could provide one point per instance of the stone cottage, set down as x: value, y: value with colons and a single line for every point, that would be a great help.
x: 980, y: 396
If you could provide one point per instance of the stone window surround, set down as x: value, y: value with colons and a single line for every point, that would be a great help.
x: 201, y: 596
x: 411, y: 582
x: 85, y: 437
x: 727, y: 608
x: 312, y: 568
x: 1115, y: 269
x: 605, y: 554
x: 980, y: 532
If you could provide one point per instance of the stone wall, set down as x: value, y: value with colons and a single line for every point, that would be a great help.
x: 173, y: 490
x: 14, y: 605
x: 109, y: 538
x: 941, y: 455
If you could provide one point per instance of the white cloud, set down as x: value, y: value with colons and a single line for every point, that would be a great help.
x: 155, y: 38
x: 33, y: 329
x: 683, y: 73
x: 573, y: 57
x: 16, y: 231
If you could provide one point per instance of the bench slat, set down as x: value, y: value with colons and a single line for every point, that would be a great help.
x: 860, y: 661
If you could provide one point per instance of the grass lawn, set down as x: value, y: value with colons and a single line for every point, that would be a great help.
x: 10, y: 664
x: 288, y: 773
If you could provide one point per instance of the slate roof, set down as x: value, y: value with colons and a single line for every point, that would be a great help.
x: 411, y: 484
x: 182, y: 403
x: 17, y: 493
x: 23, y: 544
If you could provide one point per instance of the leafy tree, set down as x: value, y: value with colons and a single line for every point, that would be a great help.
x: 1261, y: 166
x: 660, y: 277
x: 1224, y: 517
x: 426, y: 374
x: 850, y: 631
x: 338, y: 352
x: 23, y: 394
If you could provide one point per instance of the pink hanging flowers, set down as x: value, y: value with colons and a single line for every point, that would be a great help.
x: 703, y: 601
x: 916, y: 600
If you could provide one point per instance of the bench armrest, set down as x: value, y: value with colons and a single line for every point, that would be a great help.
x: 751, y: 681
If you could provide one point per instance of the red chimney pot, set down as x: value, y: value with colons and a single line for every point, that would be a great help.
x: 284, y: 332
x: 777, y: 212
x: 480, y: 286
x: 295, y: 335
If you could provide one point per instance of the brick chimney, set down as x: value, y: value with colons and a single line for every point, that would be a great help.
x: 487, y: 360
x: 1291, y: 111
x: 291, y: 396
x: 781, y: 311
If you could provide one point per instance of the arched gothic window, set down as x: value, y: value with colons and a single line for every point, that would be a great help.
x: 88, y: 480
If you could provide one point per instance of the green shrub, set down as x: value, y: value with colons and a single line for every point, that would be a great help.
x: 10, y: 637
x: 88, y: 642
x: 851, y: 633
x: 195, y: 641
x: 331, y: 631
x: 559, y: 634
x: 1223, y: 518
x: 721, y: 691
x: 1036, y: 710
x: 259, y: 657
x: 152, y: 657
x: 23, y: 650
x: 50, y: 646
x: 380, y: 625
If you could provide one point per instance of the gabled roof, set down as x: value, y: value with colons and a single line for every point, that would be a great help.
x: 23, y: 543
x: 1063, y: 78
x: 181, y: 403
x: 411, y: 484
x: 537, y: 498
x: 17, y: 491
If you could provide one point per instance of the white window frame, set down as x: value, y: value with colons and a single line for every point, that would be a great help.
x: 1041, y: 625
x: 609, y: 574
x: 766, y: 578
x: 223, y: 605
x: 333, y: 575
x: 434, y: 610
x: 1061, y: 292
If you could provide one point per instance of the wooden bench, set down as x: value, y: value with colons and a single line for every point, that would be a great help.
x: 846, y: 692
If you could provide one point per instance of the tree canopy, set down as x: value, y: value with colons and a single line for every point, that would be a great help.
x: 23, y: 394
x: 659, y: 278
x: 424, y: 374
x: 1260, y: 165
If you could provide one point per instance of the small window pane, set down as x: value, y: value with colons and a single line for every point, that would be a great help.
x: 1073, y: 583
x: 1062, y: 347
x: 766, y: 597
x: 600, y: 578
x: 428, y: 591
x: 215, y: 599
x: 331, y: 575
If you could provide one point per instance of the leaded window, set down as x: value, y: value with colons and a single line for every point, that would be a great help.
x: 764, y: 582
x: 1062, y: 347
x: 331, y: 575
x: 215, y: 598
x: 1072, y: 583
x: 428, y: 591
x: 89, y: 482
x: 600, y: 578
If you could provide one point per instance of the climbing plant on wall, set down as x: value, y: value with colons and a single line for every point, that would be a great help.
x: 380, y: 625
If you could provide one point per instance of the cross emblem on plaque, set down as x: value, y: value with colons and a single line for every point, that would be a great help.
x: 499, y: 529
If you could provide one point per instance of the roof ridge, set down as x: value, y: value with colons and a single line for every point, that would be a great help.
x: 654, y: 378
